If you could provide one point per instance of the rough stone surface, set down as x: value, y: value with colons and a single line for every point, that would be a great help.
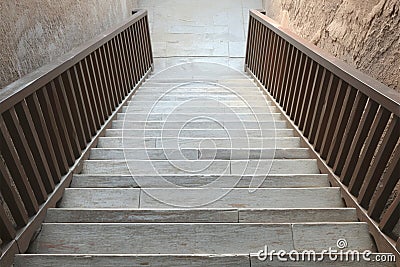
x: 364, y: 33
x: 34, y: 33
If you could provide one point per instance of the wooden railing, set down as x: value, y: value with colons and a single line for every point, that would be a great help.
x: 51, y: 118
x: 349, y: 120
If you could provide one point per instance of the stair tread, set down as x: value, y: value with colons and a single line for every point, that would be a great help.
x: 198, y: 238
x: 217, y: 167
x: 275, y: 181
x: 195, y: 260
x: 150, y: 198
x: 193, y: 154
x: 215, y: 215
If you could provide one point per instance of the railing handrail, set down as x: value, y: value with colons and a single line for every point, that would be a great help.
x: 348, y: 120
x: 374, y: 89
x: 50, y: 119
x: 33, y: 81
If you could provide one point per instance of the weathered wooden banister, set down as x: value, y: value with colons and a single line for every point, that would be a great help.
x: 350, y: 120
x: 50, y: 118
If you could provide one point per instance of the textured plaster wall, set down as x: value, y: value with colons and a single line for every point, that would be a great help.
x: 364, y: 33
x: 35, y: 32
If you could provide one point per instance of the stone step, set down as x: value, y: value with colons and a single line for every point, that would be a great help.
x: 129, y: 260
x: 217, y: 167
x: 188, y: 116
x: 235, y: 135
x: 193, y: 97
x: 199, y: 110
x: 203, y: 125
x: 165, y: 198
x: 209, y: 83
x: 193, y: 154
x: 194, y: 260
x: 193, y: 180
x: 61, y: 215
x: 204, y: 90
x: 201, y: 103
x: 202, y: 142
x: 187, y: 238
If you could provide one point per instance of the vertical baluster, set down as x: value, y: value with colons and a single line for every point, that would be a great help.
x: 134, y: 52
x: 350, y: 131
x: 286, y: 70
x: 10, y: 195
x: 52, y: 128
x: 75, y: 109
x: 385, y: 147
x: 333, y: 116
x: 25, y: 154
x: 326, y: 83
x: 372, y: 141
x: 29, y: 128
x: 312, y: 101
x: 65, y: 112
x: 7, y: 231
x: 95, y: 89
x: 249, y: 43
x: 10, y: 157
x: 121, y: 58
x: 260, y: 56
x: 388, y: 183
x: 278, y: 70
x: 57, y: 115
x: 129, y: 64
x: 345, y: 109
x: 292, y: 82
x: 90, y: 94
x: 299, y: 77
x: 358, y: 142
x: 272, y: 65
x: 144, y: 43
x: 99, y: 53
x: 306, y: 95
x: 43, y: 134
x: 101, y: 86
x: 85, y: 108
x: 114, y: 71
x: 289, y: 71
x: 147, y: 39
x: 391, y: 216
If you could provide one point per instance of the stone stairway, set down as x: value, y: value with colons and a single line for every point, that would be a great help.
x: 200, y: 169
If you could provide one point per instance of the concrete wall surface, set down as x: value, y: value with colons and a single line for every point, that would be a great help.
x: 35, y: 32
x: 364, y: 33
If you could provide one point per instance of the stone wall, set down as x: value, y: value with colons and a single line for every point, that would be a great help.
x: 35, y: 32
x: 364, y: 33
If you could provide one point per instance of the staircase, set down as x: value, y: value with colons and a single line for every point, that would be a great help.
x: 199, y: 169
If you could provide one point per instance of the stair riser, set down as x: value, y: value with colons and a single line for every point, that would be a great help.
x: 187, y: 116
x: 171, y: 143
x: 201, y: 216
x: 199, y: 110
x: 218, y: 167
x: 193, y: 154
x: 228, y: 134
x: 191, y: 181
x: 203, y: 125
x: 195, y: 238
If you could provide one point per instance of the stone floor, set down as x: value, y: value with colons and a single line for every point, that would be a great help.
x: 191, y: 30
